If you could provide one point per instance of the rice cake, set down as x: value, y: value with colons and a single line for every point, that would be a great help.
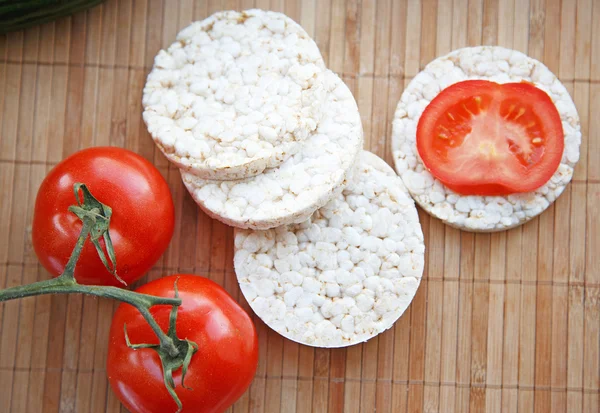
x: 344, y: 275
x: 303, y: 183
x: 479, y: 213
x: 235, y: 94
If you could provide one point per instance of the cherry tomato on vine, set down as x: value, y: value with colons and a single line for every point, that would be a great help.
x: 220, y: 371
x: 142, y: 220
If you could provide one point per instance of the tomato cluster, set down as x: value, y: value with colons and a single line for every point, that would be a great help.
x: 141, y: 227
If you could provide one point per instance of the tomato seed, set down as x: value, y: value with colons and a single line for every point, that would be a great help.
x: 467, y: 109
x: 521, y: 112
x: 510, y: 111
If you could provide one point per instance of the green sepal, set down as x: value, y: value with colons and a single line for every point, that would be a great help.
x: 136, y: 346
x: 170, y: 362
x: 192, y: 348
x: 90, y: 208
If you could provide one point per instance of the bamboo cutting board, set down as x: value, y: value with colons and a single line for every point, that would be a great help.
x: 501, y: 323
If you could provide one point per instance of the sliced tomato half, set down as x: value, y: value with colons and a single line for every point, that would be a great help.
x: 483, y: 138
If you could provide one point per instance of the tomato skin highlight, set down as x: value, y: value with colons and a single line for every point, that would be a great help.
x: 220, y: 371
x: 483, y: 138
x: 142, y: 222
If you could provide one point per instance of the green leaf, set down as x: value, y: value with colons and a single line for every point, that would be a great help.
x: 16, y: 15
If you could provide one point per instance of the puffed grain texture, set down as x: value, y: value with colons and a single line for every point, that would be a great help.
x: 235, y: 94
x: 306, y: 181
x: 344, y: 275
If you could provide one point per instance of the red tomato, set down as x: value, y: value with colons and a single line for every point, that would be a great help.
x: 142, y: 220
x: 220, y: 371
x: 484, y: 138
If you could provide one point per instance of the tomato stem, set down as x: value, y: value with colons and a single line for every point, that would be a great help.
x: 89, y: 209
x: 69, y: 272
x: 174, y: 352
x: 66, y: 284
x: 62, y: 286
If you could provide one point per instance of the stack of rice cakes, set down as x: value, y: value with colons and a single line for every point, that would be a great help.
x: 268, y: 140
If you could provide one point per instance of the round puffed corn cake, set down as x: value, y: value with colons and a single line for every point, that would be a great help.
x: 344, y: 275
x: 235, y: 94
x: 304, y: 182
x: 479, y: 213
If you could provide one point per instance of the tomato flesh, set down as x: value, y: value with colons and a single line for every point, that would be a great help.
x: 220, y: 371
x: 483, y: 138
x: 142, y: 222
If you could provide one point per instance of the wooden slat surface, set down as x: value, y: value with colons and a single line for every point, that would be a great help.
x: 507, y: 322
